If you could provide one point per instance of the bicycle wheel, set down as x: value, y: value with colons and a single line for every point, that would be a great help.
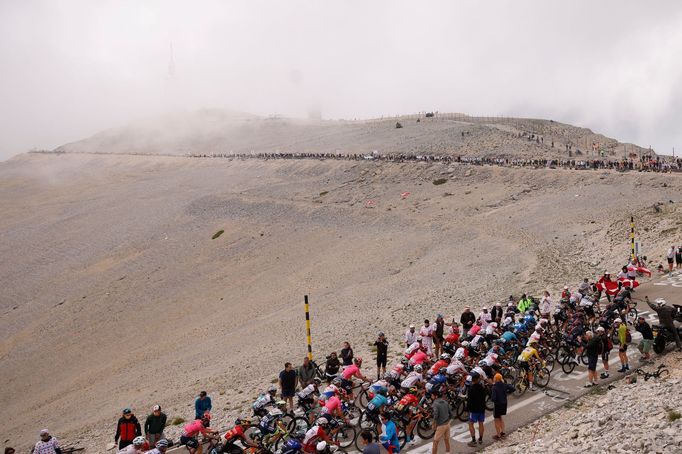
x: 346, y: 435
x: 520, y: 387
x: 489, y: 404
x: 287, y: 419
x: 363, y: 399
x: 568, y: 367
x: 542, y: 377
x: 663, y: 373
x: 366, y: 421
x: 583, y: 358
x: 462, y: 412
x: 564, y: 355
x: 550, y: 360
x: 402, y: 434
x: 425, y: 428
x: 298, y: 424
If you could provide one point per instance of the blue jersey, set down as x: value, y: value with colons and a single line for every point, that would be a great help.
x: 508, y: 336
x: 377, y: 402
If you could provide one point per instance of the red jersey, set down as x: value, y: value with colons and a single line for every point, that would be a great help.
x: 236, y: 432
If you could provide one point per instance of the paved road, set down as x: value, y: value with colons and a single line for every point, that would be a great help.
x: 562, y: 388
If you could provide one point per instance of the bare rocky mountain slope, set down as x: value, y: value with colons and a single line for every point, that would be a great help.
x: 115, y: 295
x: 211, y: 131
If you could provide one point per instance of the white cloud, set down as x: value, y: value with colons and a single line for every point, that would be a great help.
x: 72, y: 68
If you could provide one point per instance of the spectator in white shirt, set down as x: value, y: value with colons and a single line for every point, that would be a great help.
x: 410, y: 336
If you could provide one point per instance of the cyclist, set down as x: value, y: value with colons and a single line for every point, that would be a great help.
x: 407, y: 406
x: 263, y: 401
x: 160, y: 447
x: 350, y: 372
x: 268, y: 423
x: 236, y: 434
x: 316, y: 434
x: 193, y: 429
x: 305, y: 396
x: 332, y: 407
x: 444, y: 361
x: 414, y: 378
x: 139, y: 446
x: 525, y: 358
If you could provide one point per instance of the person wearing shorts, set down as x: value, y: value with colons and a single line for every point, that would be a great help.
x: 476, y: 405
x: 607, y: 346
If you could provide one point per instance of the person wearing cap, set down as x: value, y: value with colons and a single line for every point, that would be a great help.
x: 127, y: 429
x: 154, y: 425
x: 410, y: 336
x: 201, y: 405
x: 499, y: 397
x: 382, y: 354
x: 467, y: 320
x: 621, y: 329
x: 485, y: 317
x: 426, y: 332
x: 647, y: 338
x: 47, y: 444
x: 593, y: 347
x: 606, y: 348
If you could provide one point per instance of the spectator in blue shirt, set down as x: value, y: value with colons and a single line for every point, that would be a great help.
x: 202, y: 405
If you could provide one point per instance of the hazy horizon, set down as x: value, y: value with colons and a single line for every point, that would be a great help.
x: 71, y: 69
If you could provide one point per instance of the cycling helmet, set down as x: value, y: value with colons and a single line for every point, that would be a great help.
x: 358, y: 360
x: 482, y: 363
x: 383, y: 391
x: 321, y: 446
x: 138, y: 441
x: 272, y: 389
x: 617, y: 321
x: 281, y: 403
x: 445, y: 356
x: 163, y: 443
x: 418, y: 368
x: 317, y: 381
x: 337, y: 381
x: 321, y: 422
x: 465, y: 344
x: 413, y: 390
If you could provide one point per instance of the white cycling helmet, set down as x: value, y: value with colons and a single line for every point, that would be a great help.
x: 138, y: 441
x: 321, y: 446
x: 418, y: 368
x: 321, y: 422
x: 465, y: 344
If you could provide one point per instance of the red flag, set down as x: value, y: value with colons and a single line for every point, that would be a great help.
x: 610, y: 287
x: 630, y: 283
x: 641, y: 269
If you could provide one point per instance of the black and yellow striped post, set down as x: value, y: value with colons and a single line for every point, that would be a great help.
x: 632, y: 235
x: 307, y: 328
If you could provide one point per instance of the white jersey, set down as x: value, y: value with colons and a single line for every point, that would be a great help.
x: 476, y: 340
x: 307, y: 391
x: 412, y: 348
x: 412, y: 379
x: 490, y: 359
x: 455, y: 366
x: 490, y: 330
x: 480, y: 371
x: 311, y: 434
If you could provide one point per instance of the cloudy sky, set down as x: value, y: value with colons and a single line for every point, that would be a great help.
x: 71, y: 68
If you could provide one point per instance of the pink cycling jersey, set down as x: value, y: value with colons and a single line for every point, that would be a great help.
x: 350, y: 371
x: 332, y: 404
x: 193, y: 428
